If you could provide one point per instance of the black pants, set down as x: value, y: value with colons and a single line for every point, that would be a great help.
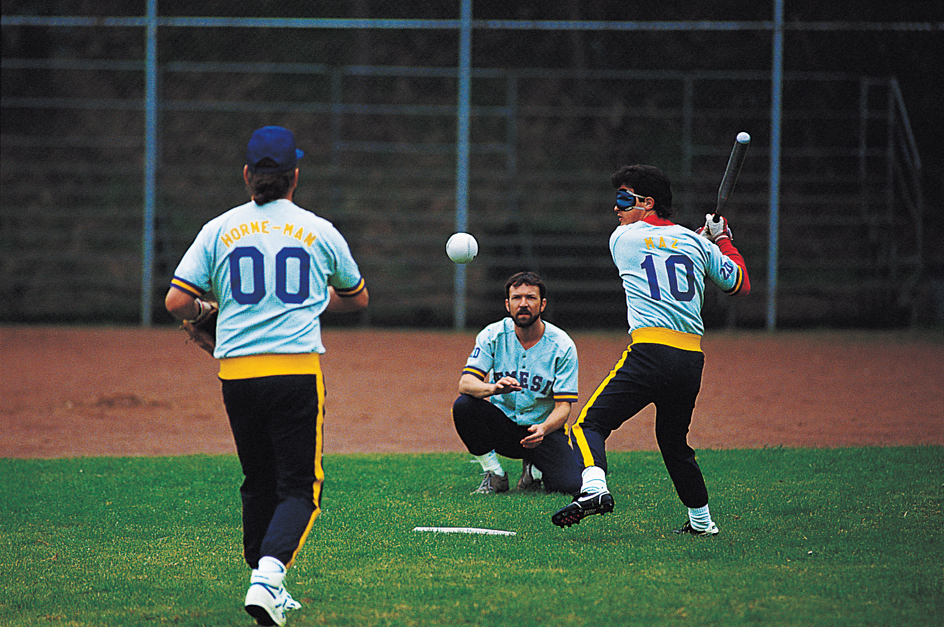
x: 483, y: 427
x: 648, y: 373
x: 277, y: 426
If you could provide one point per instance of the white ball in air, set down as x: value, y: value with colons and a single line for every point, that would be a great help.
x: 462, y: 248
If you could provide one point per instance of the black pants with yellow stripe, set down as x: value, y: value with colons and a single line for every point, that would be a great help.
x: 648, y: 373
x: 277, y: 426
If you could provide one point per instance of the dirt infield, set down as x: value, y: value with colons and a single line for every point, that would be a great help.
x: 125, y: 391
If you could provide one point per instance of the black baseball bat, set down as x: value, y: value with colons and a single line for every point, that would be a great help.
x: 733, y: 169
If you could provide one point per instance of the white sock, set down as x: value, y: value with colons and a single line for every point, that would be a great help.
x: 269, y: 564
x: 271, y: 572
x: 594, y: 480
x: 536, y: 472
x: 699, y: 517
x: 490, y: 463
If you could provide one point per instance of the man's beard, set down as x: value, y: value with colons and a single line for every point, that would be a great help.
x: 526, y: 322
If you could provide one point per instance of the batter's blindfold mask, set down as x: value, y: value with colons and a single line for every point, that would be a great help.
x: 626, y: 200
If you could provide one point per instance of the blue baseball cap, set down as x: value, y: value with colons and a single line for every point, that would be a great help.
x: 276, y: 143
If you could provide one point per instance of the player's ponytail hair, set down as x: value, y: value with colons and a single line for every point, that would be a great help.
x: 266, y: 187
x: 649, y: 181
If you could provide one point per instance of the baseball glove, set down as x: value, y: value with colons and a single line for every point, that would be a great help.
x: 202, y: 329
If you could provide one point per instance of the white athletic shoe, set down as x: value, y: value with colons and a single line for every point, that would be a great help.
x: 267, y: 599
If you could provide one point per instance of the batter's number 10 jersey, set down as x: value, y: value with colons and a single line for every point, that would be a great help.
x: 663, y: 268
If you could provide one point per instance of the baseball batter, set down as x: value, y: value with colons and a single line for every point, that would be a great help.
x: 274, y: 268
x: 516, y: 393
x: 663, y: 267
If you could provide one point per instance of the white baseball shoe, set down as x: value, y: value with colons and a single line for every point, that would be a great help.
x: 267, y: 599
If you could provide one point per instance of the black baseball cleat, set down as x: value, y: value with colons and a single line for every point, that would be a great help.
x: 584, y: 505
x: 687, y: 528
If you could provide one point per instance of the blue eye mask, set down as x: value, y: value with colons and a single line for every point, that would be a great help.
x: 626, y: 200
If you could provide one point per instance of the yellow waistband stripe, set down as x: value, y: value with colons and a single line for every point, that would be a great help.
x: 668, y: 337
x: 252, y: 366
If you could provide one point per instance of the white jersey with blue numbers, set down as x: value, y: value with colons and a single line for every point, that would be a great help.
x: 663, y: 267
x: 265, y: 263
x: 547, y: 371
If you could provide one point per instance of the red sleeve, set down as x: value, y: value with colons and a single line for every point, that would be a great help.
x: 743, y: 286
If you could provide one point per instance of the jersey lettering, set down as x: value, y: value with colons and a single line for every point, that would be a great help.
x: 249, y: 228
x: 688, y: 271
x: 649, y: 266
x: 236, y: 233
x: 535, y: 383
x: 247, y: 267
x: 673, y: 265
x: 303, y: 289
x: 248, y: 258
x: 671, y: 244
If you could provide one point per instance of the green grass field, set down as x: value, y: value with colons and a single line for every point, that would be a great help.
x: 808, y: 537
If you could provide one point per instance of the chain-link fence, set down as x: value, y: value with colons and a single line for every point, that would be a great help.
x: 374, y: 105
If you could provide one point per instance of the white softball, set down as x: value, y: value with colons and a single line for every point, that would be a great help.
x: 744, y: 138
x: 462, y: 247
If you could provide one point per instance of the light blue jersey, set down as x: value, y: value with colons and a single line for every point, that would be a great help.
x: 663, y: 268
x: 265, y: 264
x: 547, y: 371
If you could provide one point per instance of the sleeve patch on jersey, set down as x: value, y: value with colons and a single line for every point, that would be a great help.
x: 351, y: 291
x: 186, y: 287
x: 738, y: 282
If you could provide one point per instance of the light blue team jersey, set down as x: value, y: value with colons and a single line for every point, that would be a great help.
x: 270, y: 267
x: 547, y: 371
x: 663, y: 269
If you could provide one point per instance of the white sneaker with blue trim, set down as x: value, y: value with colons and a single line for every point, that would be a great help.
x: 267, y: 599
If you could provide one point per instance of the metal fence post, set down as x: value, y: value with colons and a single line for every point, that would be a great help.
x: 150, y: 164
x: 776, y: 110
x: 462, y: 151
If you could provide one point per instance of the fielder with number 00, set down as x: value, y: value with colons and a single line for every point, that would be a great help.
x: 275, y: 268
x: 663, y: 267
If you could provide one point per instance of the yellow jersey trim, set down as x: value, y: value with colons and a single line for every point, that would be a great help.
x: 565, y: 397
x: 667, y: 337
x: 269, y: 365
x: 187, y: 288
x: 351, y: 291
x: 475, y: 372
x: 738, y: 283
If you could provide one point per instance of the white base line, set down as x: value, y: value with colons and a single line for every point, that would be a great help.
x: 490, y: 532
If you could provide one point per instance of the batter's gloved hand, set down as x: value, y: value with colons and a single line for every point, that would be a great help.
x: 713, y: 230
x: 202, y: 329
